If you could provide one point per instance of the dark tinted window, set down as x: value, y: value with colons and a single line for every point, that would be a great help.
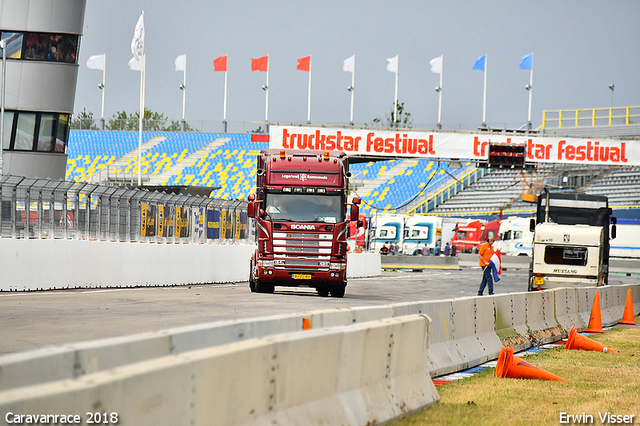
x: 563, y: 255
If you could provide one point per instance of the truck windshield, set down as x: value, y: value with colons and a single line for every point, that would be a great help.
x: 305, y: 207
x: 563, y: 255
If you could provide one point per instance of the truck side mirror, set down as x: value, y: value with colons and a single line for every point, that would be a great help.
x: 614, y: 221
x: 251, y: 208
x: 532, y: 224
x: 356, y: 200
x: 355, y: 211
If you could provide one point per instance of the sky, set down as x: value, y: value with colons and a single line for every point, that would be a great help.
x: 580, y: 48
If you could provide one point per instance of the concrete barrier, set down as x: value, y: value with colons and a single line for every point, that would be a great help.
x: 360, y: 265
x: 63, y: 264
x: 511, y: 320
x: 361, y: 374
x: 541, y: 321
x: 567, y: 310
x: 419, y: 262
x: 463, y: 333
x: 72, y: 264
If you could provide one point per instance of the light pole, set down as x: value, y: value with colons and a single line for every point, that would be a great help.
x: 612, y: 88
x: 3, y: 46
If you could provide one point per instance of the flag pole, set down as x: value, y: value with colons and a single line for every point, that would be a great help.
x: 309, y: 96
x: 266, y: 88
x: 530, y: 92
x: 224, y: 108
x: 353, y: 87
x: 142, y: 82
x: 440, y: 92
x: 484, y: 96
x: 396, y: 93
x: 104, y: 71
x: 184, y: 93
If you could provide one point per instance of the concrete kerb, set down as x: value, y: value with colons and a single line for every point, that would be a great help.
x: 355, y: 374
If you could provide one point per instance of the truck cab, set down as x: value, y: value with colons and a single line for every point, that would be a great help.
x: 420, y: 231
x: 516, y: 239
x: 388, y: 229
x: 300, y: 210
x: 571, y: 241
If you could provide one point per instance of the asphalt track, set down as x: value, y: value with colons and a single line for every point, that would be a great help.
x: 38, y: 319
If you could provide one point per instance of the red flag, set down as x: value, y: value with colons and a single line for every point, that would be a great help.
x: 260, y: 64
x: 304, y: 63
x: 220, y: 64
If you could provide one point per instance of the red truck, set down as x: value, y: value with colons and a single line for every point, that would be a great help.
x: 300, y: 209
x: 468, y: 237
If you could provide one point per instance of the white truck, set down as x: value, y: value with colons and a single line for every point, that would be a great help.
x: 388, y: 229
x: 420, y: 231
x: 571, y: 241
x: 627, y: 242
x: 516, y: 239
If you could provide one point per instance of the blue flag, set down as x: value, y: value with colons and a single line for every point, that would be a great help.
x: 479, y: 65
x: 526, y: 62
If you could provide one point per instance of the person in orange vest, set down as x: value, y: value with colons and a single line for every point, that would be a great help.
x: 484, y: 255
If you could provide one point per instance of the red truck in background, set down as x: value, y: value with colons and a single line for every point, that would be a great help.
x: 468, y: 237
x: 300, y: 210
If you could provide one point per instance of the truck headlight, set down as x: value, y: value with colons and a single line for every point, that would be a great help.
x: 338, y: 266
x: 265, y: 263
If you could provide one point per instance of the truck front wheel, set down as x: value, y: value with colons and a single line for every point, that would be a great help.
x: 338, y: 290
x: 263, y: 287
x: 252, y: 278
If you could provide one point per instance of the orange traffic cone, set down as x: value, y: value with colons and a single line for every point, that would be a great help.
x: 595, y: 321
x: 627, y: 317
x: 515, y: 367
x: 578, y: 341
x: 306, y: 324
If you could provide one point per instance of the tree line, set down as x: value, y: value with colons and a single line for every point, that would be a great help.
x: 122, y: 120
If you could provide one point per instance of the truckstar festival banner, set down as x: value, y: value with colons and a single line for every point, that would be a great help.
x: 410, y: 143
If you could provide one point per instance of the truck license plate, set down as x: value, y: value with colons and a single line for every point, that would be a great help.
x: 301, y: 276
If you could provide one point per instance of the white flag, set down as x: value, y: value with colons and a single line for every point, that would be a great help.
x: 181, y: 62
x: 96, y: 62
x: 436, y: 65
x: 135, y: 64
x: 349, y: 64
x: 392, y: 66
x: 137, y: 43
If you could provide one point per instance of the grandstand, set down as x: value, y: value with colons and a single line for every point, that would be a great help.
x: 226, y: 163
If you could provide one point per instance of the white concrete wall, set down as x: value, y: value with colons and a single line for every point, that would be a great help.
x: 58, y: 264
x: 34, y: 264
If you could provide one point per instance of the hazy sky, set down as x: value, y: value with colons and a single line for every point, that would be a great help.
x: 580, y: 48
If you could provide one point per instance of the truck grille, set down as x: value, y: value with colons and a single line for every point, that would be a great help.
x: 310, y: 250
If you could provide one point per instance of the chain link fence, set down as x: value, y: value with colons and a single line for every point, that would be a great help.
x: 41, y: 208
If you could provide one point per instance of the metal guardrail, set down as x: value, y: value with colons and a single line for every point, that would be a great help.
x: 41, y: 208
x: 590, y: 117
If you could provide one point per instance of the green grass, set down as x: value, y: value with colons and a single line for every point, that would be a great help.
x: 596, y: 383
